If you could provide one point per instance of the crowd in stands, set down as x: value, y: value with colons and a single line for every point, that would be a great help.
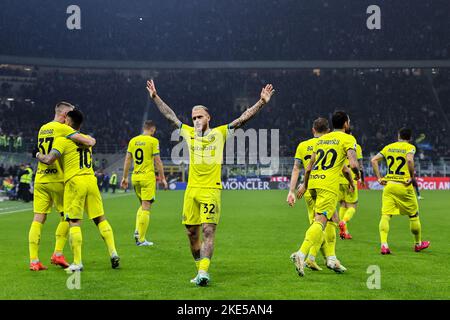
x: 227, y: 30
x: 115, y: 104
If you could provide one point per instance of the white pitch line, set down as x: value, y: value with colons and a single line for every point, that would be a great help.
x: 1, y: 213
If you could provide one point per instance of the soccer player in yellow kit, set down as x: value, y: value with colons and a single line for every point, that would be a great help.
x: 349, y: 200
x: 399, y: 197
x: 201, y: 207
x: 49, y: 187
x: 144, y: 151
x: 302, y: 157
x: 322, y: 179
x: 81, y: 192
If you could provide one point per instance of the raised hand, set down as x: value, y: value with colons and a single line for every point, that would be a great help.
x: 151, y: 88
x: 266, y: 93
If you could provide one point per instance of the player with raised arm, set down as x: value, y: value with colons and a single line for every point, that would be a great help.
x: 322, y: 179
x: 49, y: 187
x: 201, y: 207
x: 143, y: 151
x: 399, y: 197
x: 81, y: 192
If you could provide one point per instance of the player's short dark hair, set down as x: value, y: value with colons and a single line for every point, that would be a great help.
x: 338, y: 119
x: 148, y: 124
x: 405, y: 133
x: 321, y: 125
x: 63, y: 104
x: 77, y: 118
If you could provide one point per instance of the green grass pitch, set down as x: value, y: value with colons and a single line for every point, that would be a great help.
x: 255, y: 237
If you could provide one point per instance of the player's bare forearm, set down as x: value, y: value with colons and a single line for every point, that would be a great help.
x: 294, y: 176
x: 166, y: 111
x: 347, y: 174
x: 87, y: 141
x: 46, y: 158
x: 247, y: 115
x: 126, y: 165
x: 375, y: 166
x: 361, y: 170
x: 160, y: 168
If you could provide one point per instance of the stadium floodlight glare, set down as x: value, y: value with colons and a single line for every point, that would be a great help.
x: 10, y: 99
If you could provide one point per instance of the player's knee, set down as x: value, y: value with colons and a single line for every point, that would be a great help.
x: 97, y: 220
x: 209, y: 231
x: 40, y: 217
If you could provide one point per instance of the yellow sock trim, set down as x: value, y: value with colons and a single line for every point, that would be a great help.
x: 330, y: 239
x: 316, y: 247
x: 197, y: 263
x: 108, y: 236
x: 138, y: 213
x: 416, y: 229
x: 144, y: 221
x: 349, y: 214
x: 76, y: 241
x: 384, y: 228
x: 61, y: 234
x: 34, y: 238
x: 312, y: 236
x: 342, y: 211
x: 204, y: 264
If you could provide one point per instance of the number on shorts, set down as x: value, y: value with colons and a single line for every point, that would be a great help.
x: 210, y: 209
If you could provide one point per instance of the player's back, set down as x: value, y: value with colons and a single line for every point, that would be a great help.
x: 331, y: 153
x: 47, y: 135
x: 305, y: 150
x: 76, y: 159
x: 143, y: 149
x: 396, y: 160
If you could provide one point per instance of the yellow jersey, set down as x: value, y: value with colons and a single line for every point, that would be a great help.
x: 395, y: 155
x: 143, y: 149
x: 48, y: 133
x: 205, y: 156
x: 359, y: 156
x: 305, y: 150
x: 76, y: 159
x: 331, y: 152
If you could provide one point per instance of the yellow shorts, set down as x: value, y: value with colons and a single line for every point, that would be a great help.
x: 347, y: 196
x: 325, y: 202
x: 399, y: 199
x: 145, y: 189
x: 81, y: 194
x: 310, y: 203
x: 201, y: 205
x: 47, y: 195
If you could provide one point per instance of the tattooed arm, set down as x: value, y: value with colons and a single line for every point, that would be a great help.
x: 266, y: 94
x: 162, y: 106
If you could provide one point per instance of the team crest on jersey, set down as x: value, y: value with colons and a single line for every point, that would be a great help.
x: 211, y: 138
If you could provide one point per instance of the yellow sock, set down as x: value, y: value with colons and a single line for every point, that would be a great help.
x: 62, y: 231
x: 108, y: 236
x: 204, y: 264
x: 144, y: 221
x: 197, y: 263
x: 348, y: 214
x: 416, y: 229
x: 138, y: 213
x: 384, y: 228
x: 312, y: 236
x: 76, y: 240
x: 34, y: 238
x: 330, y: 239
x: 342, y: 211
x: 315, y: 248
